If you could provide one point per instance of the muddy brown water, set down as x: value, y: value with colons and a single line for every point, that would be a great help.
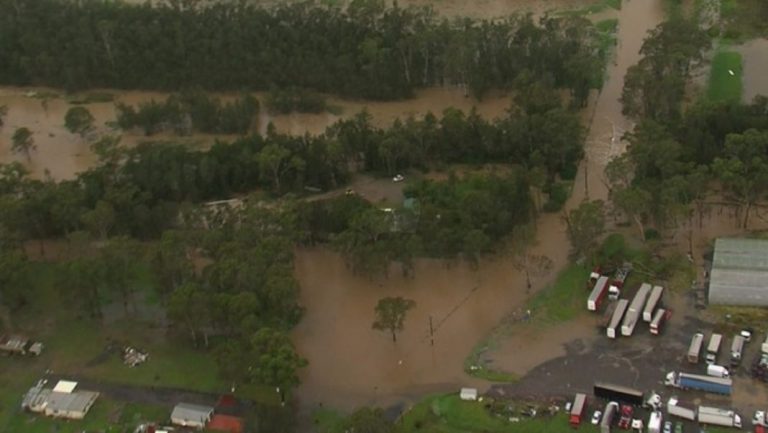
x: 350, y: 363
x: 63, y: 154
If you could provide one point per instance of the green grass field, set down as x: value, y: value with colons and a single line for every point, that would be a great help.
x: 725, y: 77
x: 76, y: 346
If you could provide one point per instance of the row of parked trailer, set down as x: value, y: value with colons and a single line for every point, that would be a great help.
x: 621, y: 401
x: 623, y: 316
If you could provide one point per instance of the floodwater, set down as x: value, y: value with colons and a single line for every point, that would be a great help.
x: 63, y: 154
x: 755, y: 66
x: 352, y: 365
x: 608, y: 125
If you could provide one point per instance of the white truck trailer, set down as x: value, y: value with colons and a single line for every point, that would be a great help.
x: 635, y: 309
x: 618, y: 315
x: 737, y: 347
x: 681, y: 410
x: 717, y: 416
x: 653, y: 302
x: 654, y: 422
x: 598, y: 293
x: 713, y: 348
x: 695, y: 348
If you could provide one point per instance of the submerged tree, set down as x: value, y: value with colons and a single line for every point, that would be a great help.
x: 585, y: 224
x: 78, y: 120
x: 22, y: 142
x: 390, y: 314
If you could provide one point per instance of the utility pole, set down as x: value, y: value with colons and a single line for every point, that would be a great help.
x: 431, y: 332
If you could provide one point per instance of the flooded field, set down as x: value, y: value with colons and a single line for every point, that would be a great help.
x: 63, y: 154
x: 352, y: 365
x: 755, y: 66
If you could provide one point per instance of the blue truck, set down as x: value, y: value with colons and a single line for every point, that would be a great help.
x: 715, y: 385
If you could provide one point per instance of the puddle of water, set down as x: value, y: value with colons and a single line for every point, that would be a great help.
x: 755, y: 66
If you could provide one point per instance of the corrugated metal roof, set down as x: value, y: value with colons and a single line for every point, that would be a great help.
x: 739, y: 272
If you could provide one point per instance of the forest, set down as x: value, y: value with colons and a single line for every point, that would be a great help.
x: 366, y: 50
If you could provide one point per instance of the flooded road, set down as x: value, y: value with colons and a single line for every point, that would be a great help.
x: 755, y: 66
x: 608, y: 125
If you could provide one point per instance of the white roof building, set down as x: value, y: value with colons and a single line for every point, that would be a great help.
x: 739, y: 272
x: 191, y: 415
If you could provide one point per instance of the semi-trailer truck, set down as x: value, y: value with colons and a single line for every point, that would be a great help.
x: 717, y: 416
x: 653, y: 301
x: 634, y: 310
x: 598, y: 294
x: 654, y: 422
x: 713, y: 348
x: 577, y: 409
x: 695, y: 348
x: 659, y: 319
x: 681, y: 410
x: 716, y: 385
x: 737, y: 347
x: 618, y: 314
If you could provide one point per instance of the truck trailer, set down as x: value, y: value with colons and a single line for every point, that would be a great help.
x: 618, y: 315
x: 618, y: 393
x: 653, y: 302
x: 737, y: 348
x: 659, y: 319
x: 713, y: 348
x: 654, y: 422
x: 634, y: 310
x: 598, y: 294
x: 610, y: 412
x: 695, y: 348
x: 717, y: 416
x: 681, y: 410
x: 715, y: 385
x: 577, y: 409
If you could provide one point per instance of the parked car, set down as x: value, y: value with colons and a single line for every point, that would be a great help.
x: 398, y: 178
x: 668, y: 427
x: 596, y: 417
x: 747, y: 334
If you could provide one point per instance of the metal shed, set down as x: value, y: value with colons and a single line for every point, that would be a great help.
x: 739, y: 272
x: 191, y: 415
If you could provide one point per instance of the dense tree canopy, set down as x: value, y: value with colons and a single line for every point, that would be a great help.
x: 366, y: 50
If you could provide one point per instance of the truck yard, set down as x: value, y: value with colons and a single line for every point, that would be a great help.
x: 711, y: 388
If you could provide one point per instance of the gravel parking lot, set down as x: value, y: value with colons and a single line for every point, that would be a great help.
x: 642, y: 362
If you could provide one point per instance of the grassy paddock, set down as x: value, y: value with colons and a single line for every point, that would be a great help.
x: 722, y: 85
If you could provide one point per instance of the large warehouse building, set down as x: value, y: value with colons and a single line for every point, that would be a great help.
x: 739, y: 272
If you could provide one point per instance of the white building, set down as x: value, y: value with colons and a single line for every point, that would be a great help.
x: 191, y: 415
